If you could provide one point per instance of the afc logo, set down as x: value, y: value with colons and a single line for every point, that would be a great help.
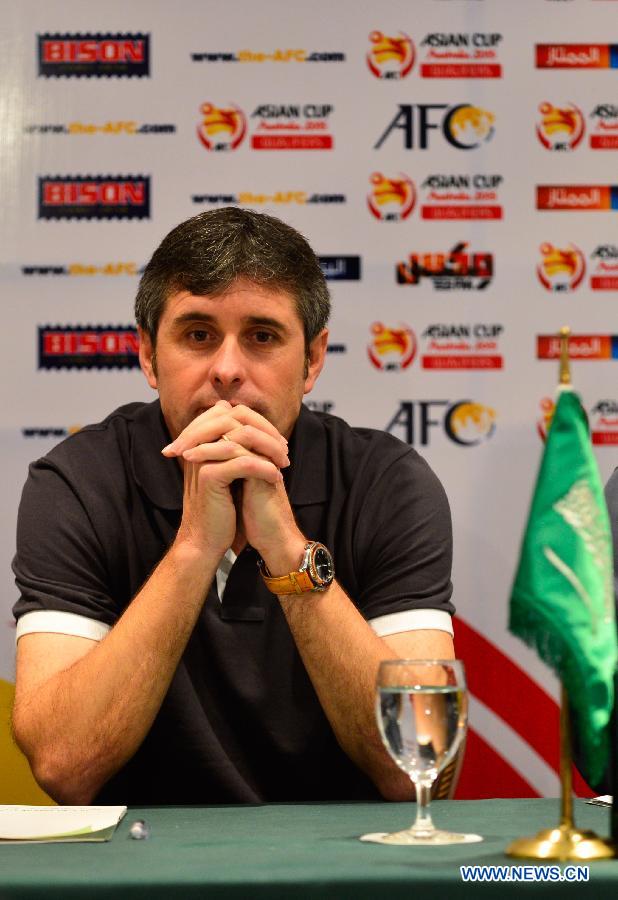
x: 465, y: 422
x: 464, y: 127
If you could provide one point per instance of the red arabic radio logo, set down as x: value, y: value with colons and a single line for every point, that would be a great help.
x: 560, y: 127
x: 390, y: 57
x: 391, y: 349
x: 458, y: 269
x: 391, y: 199
x: 561, y: 269
x: 221, y: 128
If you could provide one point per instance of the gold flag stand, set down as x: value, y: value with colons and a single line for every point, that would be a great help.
x: 565, y: 841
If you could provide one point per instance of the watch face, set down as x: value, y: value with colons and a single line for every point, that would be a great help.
x: 323, y: 565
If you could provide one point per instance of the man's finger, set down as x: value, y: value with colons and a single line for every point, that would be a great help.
x: 217, y: 421
x: 242, y: 467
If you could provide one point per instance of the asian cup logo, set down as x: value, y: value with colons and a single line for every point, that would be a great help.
x: 560, y: 127
x: 391, y: 199
x: 391, y: 349
x: 467, y: 127
x: 221, y: 128
x: 390, y: 57
x: 561, y: 269
x: 469, y: 423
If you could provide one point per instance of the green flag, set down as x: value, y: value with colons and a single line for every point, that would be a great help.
x: 562, y: 601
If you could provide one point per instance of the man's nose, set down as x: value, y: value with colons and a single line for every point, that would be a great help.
x: 227, y: 364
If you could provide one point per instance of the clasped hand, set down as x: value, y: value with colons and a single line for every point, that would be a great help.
x: 228, y: 444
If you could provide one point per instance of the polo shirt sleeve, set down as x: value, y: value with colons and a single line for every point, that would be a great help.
x: 403, y: 541
x: 59, y: 564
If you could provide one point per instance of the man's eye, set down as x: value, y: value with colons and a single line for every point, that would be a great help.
x: 198, y: 336
x: 263, y: 337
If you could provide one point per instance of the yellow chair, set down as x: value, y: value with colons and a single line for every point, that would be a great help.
x: 17, y: 785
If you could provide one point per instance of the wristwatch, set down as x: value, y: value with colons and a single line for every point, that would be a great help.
x: 315, y: 573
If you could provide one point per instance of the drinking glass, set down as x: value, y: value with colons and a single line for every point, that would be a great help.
x: 422, y: 709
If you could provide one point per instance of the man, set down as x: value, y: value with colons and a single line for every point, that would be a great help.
x: 156, y: 662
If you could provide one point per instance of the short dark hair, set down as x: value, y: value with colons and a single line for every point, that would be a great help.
x: 209, y: 252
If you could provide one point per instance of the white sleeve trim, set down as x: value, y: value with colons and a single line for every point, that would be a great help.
x: 57, y: 622
x: 412, y: 620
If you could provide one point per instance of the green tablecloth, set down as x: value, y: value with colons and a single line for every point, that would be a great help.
x: 292, y: 851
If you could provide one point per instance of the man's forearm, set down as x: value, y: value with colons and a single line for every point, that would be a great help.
x: 79, y: 727
x: 341, y: 654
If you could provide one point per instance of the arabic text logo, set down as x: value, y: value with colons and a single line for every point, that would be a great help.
x: 560, y: 128
x: 456, y: 270
x: 561, y: 269
x: 221, y: 128
x: 391, y: 199
x: 390, y: 57
x: 391, y: 349
x: 340, y: 268
x: 576, y: 56
x: 576, y: 197
x: 581, y: 346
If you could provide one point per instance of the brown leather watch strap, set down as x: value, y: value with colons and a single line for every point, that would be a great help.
x: 294, y: 583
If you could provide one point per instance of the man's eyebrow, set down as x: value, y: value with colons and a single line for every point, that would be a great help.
x: 266, y: 320
x: 208, y: 319
x: 194, y: 316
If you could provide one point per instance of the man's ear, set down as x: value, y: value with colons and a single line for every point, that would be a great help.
x: 315, y: 359
x: 147, y: 357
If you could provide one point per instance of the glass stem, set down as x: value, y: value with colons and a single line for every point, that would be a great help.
x: 423, y: 826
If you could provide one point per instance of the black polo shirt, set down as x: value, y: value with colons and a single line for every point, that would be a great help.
x: 241, y: 720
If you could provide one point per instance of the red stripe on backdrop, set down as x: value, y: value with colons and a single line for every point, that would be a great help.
x: 512, y: 695
x: 486, y: 774
x: 501, y: 685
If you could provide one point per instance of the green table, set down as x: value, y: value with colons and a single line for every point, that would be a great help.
x: 292, y: 851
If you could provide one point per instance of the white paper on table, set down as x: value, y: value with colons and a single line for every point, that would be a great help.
x: 603, y: 800
x: 47, y: 824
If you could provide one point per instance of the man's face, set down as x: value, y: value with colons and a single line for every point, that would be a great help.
x: 244, y: 346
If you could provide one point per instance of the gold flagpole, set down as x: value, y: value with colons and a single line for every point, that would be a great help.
x: 565, y: 841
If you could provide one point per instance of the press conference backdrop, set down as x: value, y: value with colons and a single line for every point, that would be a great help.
x: 454, y: 164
